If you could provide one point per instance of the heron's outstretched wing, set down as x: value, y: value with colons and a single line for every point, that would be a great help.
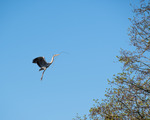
x: 40, y: 61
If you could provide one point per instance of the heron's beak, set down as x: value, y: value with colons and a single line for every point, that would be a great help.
x: 56, y: 54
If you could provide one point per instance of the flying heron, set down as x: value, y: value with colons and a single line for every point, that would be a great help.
x: 41, y: 62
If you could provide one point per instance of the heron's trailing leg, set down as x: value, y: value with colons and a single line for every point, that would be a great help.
x: 42, y: 68
x: 42, y: 75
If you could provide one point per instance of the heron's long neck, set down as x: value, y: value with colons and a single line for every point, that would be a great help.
x: 52, y: 60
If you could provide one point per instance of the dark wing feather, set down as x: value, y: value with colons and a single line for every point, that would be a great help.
x: 40, y: 61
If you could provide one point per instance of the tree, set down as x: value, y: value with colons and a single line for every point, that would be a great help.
x: 129, y: 95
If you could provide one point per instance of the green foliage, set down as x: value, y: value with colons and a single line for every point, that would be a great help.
x: 129, y: 96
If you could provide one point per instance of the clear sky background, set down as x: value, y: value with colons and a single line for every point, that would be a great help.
x: 89, y: 33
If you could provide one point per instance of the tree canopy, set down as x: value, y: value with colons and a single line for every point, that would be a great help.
x: 128, y: 98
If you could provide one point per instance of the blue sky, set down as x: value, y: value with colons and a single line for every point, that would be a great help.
x: 89, y: 33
